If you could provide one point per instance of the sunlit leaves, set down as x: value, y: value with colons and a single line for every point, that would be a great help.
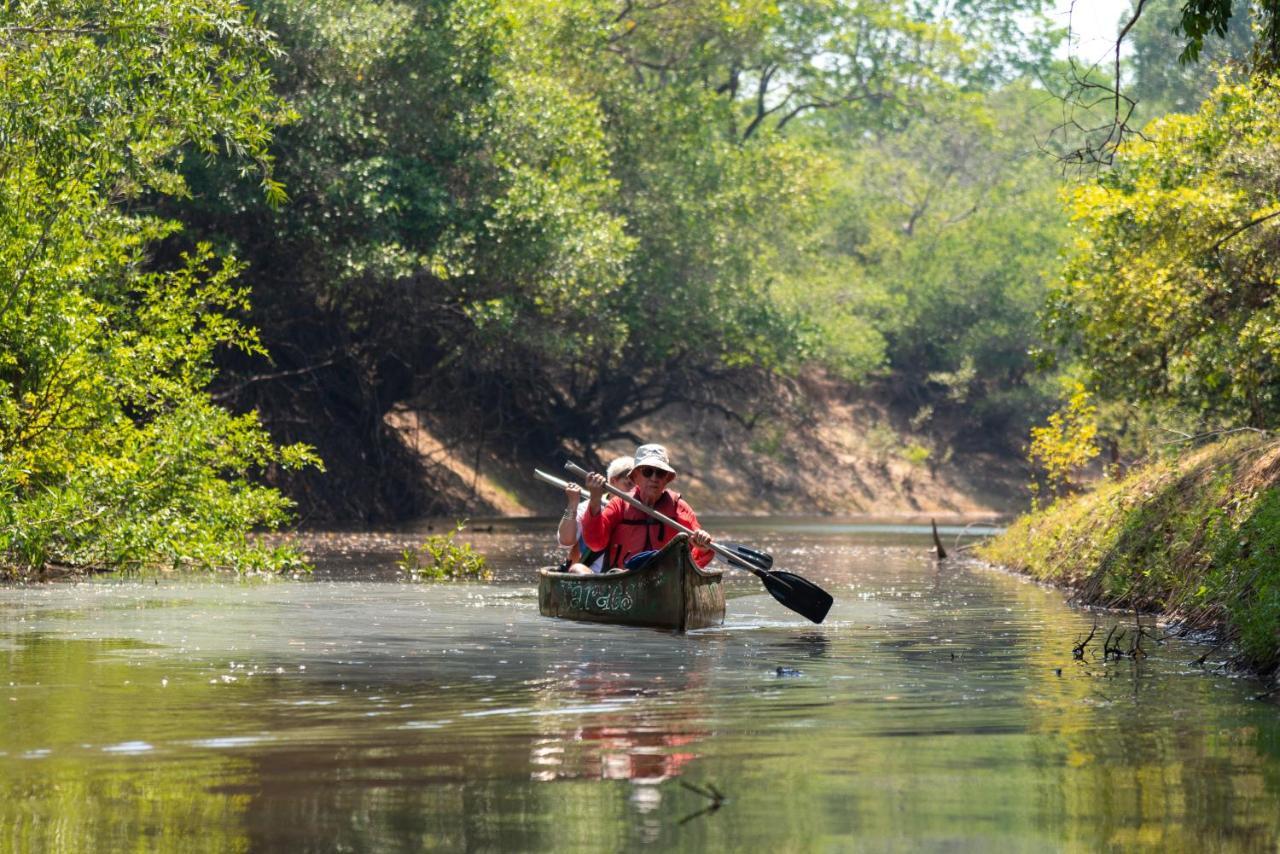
x: 1170, y: 299
x: 1067, y: 442
x: 111, y: 452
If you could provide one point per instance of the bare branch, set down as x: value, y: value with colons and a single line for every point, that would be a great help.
x: 258, y: 378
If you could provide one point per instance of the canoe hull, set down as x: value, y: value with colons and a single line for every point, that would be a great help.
x: 670, y: 592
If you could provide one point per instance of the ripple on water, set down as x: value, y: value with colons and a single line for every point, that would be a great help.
x: 927, y: 712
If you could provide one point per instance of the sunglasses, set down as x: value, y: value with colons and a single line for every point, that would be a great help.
x: 650, y: 471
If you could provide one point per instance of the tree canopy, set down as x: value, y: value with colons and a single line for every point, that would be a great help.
x: 561, y: 217
x: 1169, y: 300
x: 112, y: 452
x: 539, y: 222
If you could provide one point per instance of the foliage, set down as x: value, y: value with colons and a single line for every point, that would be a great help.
x: 1163, y: 86
x: 1243, y: 577
x: 1195, y: 537
x: 1168, y: 299
x: 1202, y: 18
x: 439, y: 558
x: 112, y: 453
x: 915, y: 453
x: 1067, y: 443
x: 938, y: 245
x: 561, y: 217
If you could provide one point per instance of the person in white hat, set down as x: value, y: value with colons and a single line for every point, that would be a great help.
x: 581, y: 560
x: 621, y: 531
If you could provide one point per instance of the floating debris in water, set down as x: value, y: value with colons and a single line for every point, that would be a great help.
x: 711, y: 793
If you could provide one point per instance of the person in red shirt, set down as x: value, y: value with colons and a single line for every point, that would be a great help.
x: 622, y: 531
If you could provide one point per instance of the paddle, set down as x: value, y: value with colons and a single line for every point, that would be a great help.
x: 750, y: 555
x: 799, y: 594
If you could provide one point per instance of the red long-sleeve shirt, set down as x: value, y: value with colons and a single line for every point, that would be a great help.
x: 620, y: 530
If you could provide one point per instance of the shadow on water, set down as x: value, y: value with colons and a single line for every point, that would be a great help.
x: 809, y: 645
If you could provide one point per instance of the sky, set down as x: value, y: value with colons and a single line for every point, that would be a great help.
x: 1094, y: 24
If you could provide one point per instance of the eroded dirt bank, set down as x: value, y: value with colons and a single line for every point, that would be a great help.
x: 835, y: 456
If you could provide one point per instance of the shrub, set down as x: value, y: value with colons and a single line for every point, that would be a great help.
x: 439, y: 558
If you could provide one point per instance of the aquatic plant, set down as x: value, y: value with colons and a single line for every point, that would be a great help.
x: 440, y: 558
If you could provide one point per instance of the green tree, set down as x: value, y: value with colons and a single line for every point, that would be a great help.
x: 545, y: 220
x: 940, y: 240
x: 112, y: 453
x: 451, y: 233
x: 1162, y: 84
x: 1169, y: 299
x: 1202, y: 19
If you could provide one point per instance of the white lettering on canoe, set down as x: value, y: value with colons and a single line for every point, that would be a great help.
x: 617, y: 598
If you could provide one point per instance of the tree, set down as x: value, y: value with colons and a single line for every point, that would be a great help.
x: 1225, y: 26
x: 450, y: 234
x: 1169, y: 299
x: 546, y: 220
x: 1162, y: 85
x: 940, y: 240
x: 112, y: 453
x: 1201, y: 19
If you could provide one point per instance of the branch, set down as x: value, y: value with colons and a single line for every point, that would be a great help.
x: 1137, y: 13
x: 876, y: 98
x: 631, y: 59
x: 1243, y: 228
x: 1187, y: 437
x: 761, y: 91
x: 74, y: 31
x: 258, y: 378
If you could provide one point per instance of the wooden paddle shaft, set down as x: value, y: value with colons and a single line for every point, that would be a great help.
x: 644, y: 508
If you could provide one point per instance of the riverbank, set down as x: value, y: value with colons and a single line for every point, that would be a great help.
x: 1195, y: 538
x: 835, y: 451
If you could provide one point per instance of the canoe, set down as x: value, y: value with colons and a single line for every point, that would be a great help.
x: 669, y: 592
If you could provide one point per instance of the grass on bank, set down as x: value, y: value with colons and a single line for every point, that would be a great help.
x: 1196, y: 538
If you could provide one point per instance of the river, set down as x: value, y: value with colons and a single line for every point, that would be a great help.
x: 938, y: 708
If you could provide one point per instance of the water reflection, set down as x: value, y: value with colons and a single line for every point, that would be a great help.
x: 623, y: 739
x: 939, y: 707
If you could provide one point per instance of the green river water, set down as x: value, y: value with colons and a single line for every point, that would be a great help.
x: 938, y: 709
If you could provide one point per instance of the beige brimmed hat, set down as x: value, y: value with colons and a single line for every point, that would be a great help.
x: 619, y: 468
x: 653, y: 455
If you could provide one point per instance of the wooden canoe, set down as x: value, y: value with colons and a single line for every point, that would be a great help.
x: 669, y: 592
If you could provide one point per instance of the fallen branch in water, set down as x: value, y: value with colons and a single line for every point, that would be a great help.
x: 937, y: 542
x: 1109, y: 651
x: 1199, y: 662
x: 1077, y: 651
x: 1140, y: 632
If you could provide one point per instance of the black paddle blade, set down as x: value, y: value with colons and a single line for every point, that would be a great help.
x: 764, y: 560
x: 799, y: 594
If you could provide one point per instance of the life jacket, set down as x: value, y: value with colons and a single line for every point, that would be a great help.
x: 580, y: 553
x: 637, y: 532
